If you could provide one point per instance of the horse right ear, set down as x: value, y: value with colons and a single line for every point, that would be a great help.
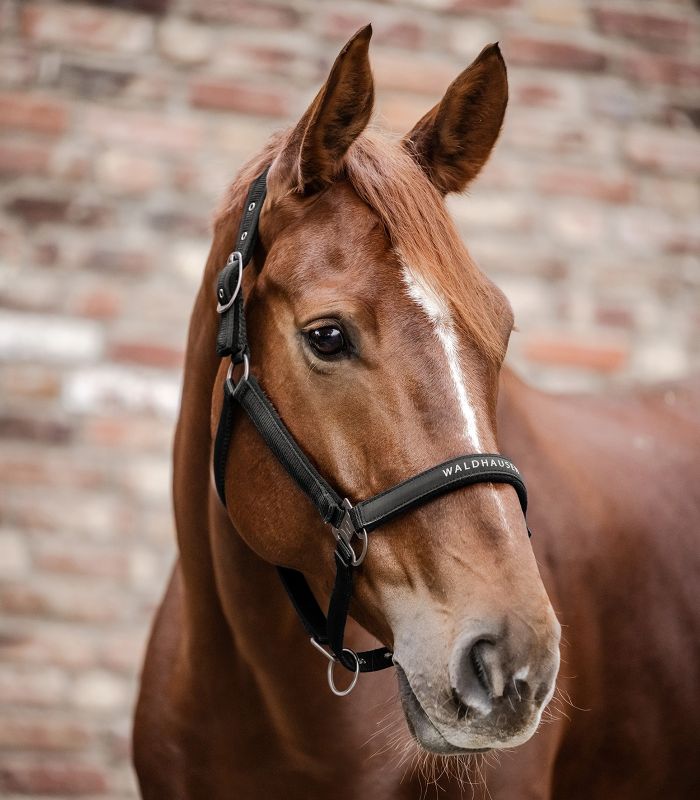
x: 314, y: 152
x: 454, y: 139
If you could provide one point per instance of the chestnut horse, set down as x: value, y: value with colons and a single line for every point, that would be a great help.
x: 381, y: 344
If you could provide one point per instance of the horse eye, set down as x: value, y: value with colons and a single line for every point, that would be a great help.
x: 327, y: 341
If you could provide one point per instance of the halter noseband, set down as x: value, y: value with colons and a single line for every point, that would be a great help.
x: 347, y: 522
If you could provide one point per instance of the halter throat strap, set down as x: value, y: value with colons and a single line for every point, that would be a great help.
x: 348, y: 523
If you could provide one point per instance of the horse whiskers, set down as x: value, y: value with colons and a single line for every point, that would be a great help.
x: 385, y: 724
x: 562, y: 695
x: 515, y: 686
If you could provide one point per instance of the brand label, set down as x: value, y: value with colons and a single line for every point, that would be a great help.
x: 467, y: 465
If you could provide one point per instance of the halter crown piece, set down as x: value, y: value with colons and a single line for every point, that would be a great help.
x: 347, y: 522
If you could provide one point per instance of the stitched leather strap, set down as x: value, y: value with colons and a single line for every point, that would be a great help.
x: 453, y: 474
x: 278, y: 438
x: 231, y: 339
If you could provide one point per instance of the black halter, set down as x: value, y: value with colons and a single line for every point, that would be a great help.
x: 347, y: 522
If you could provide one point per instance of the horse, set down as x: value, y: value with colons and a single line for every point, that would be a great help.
x: 381, y: 345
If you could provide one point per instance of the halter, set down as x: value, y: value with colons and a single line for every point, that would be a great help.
x: 347, y: 522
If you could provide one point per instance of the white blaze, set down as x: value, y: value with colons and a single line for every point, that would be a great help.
x: 439, y: 314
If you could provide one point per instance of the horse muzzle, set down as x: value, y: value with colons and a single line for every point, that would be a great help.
x: 491, y: 698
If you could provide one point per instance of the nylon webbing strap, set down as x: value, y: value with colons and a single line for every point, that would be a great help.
x: 330, y: 631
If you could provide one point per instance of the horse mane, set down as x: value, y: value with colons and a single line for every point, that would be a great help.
x: 386, y: 177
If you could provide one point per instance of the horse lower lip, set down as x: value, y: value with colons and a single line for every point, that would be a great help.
x: 421, y: 726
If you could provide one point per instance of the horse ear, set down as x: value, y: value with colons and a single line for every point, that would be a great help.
x: 454, y: 139
x: 339, y: 113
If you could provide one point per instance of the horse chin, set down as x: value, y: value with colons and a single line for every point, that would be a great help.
x: 433, y: 737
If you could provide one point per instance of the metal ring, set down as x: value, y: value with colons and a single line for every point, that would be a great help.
x: 331, y: 665
x: 235, y: 256
x: 234, y: 387
x: 362, y: 536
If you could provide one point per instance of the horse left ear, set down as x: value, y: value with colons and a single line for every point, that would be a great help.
x: 454, y: 139
x: 339, y: 113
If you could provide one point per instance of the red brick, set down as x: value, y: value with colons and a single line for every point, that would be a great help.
x: 647, y: 28
x: 567, y: 352
x: 482, y: 5
x: 98, y: 304
x: 79, y: 558
x: 63, y: 599
x: 151, y: 355
x: 18, y: 158
x: 120, y: 651
x: 30, y: 112
x: 35, y: 429
x: 400, y: 113
x: 26, y: 381
x: 535, y: 94
x: 663, y: 151
x: 88, y: 27
x: 127, y: 261
x: 554, y: 54
x: 409, y: 73
x: 127, y: 431
x: 615, y: 316
x: 264, y: 15
x: 19, y: 732
x: 19, y: 65
x: 45, y: 778
x: 35, y: 210
x: 62, y: 645
x: 143, y: 130
x: 585, y: 183
x: 649, y: 68
x: 180, y: 222
x: 124, y: 173
x: 36, y: 686
x: 226, y: 95
x: 340, y: 25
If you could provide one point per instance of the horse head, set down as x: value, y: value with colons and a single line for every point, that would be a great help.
x: 380, y: 343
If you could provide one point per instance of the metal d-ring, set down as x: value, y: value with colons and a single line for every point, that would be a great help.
x: 235, y: 256
x: 346, y: 531
x: 353, y: 682
x: 357, y: 560
x: 234, y: 387
x: 332, y: 661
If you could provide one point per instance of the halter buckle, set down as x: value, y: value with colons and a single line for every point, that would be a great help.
x: 344, y: 534
x: 222, y: 308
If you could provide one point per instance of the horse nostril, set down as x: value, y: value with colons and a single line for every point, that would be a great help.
x: 473, y: 677
x: 477, y: 663
x: 508, y: 676
x: 482, y: 677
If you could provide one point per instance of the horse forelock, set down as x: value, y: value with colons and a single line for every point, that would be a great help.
x: 385, y: 176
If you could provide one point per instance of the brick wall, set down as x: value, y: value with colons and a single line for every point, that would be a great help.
x: 121, y: 124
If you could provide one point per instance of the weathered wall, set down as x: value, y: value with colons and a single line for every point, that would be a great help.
x: 121, y: 125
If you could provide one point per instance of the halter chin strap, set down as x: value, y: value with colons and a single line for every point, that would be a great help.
x: 350, y: 524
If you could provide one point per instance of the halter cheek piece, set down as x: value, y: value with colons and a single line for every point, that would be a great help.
x: 350, y: 524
